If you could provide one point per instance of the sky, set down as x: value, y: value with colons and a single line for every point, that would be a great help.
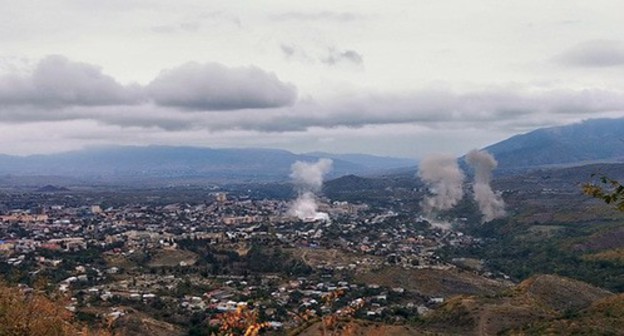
x: 395, y: 78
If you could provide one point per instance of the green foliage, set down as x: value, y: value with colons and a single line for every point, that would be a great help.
x: 508, y: 249
x: 609, y: 190
x: 275, y: 260
x: 259, y: 259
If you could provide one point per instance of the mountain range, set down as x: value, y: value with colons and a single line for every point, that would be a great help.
x: 592, y: 141
x: 157, y: 164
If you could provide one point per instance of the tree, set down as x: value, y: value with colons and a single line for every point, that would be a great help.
x: 242, y: 321
x: 609, y: 190
x: 33, y: 314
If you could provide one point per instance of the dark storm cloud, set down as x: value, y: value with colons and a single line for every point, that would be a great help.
x: 213, y: 86
x: 597, y: 53
x: 57, y: 81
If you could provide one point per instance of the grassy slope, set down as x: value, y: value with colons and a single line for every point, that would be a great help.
x: 539, y: 300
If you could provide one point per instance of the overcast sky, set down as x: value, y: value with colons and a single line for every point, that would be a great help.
x: 401, y: 78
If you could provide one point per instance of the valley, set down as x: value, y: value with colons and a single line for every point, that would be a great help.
x: 378, y: 253
x: 184, y: 259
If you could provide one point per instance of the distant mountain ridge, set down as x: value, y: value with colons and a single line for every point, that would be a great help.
x: 370, y: 161
x: 169, y: 164
x: 591, y: 141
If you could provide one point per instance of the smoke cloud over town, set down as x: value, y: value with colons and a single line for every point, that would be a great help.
x: 308, y: 180
x: 444, y: 180
x: 490, y: 203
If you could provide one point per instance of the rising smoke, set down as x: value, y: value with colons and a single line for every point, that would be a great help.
x: 444, y: 179
x: 491, y: 204
x: 308, y: 180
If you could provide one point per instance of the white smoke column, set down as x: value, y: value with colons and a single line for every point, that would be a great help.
x: 309, y: 176
x: 444, y: 179
x: 491, y: 204
x: 304, y: 207
x: 308, y: 180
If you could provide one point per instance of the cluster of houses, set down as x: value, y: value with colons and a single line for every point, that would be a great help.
x: 371, y: 239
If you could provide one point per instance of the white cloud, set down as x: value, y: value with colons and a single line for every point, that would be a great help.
x: 433, y: 108
x: 216, y: 98
x: 494, y: 57
x: 57, y: 81
x: 213, y: 86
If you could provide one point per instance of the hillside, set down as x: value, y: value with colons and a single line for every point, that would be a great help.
x: 540, y: 299
x: 433, y: 282
x: 603, y: 317
x: 543, y: 304
x: 550, y: 227
x: 24, y: 311
x: 597, y: 140
x: 380, y: 190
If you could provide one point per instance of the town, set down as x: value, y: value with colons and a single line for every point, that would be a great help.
x: 185, y: 263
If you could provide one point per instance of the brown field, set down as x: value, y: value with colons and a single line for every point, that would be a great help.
x: 334, y: 257
x: 170, y: 258
x: 362, y: 328
x: 433, y: 282
x: 540, y: 299
x: 615, y: 255
x: 118, y: 260
x: 604, y: 317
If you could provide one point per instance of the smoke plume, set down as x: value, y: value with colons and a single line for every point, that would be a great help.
x: 308, y: 180
x: 491, y: 204
x: 304, y: 207
x: 309, y: 176
x: 444, y: 179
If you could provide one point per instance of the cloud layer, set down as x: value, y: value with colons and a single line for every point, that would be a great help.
x: 59, y: 82
x: 213, y: 86
x: 595, y: 53
x: 213, y: 98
